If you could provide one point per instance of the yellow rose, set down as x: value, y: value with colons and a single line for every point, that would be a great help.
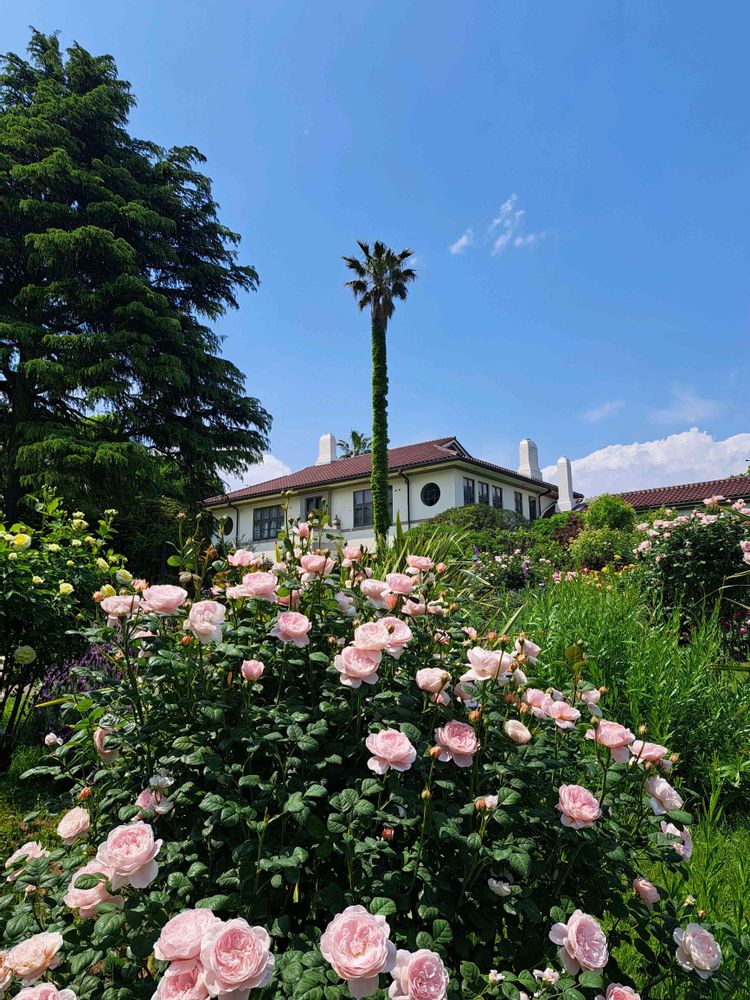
x: 66, y: 589
x: 21, y: 541
x: 108, y: 590
x: 54, y: 547
x: 102, y: 564
x: 122, y: 576
x: 37, y: 579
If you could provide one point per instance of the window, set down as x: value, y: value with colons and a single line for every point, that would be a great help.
x: 430, y: 494
x: 518, y: 499
x: 468, y: 491
x: 267, y: 522
x: 363, y: 507
x: 497, y: 497
x: 314, y: 504
x: 228, y: 525
x: 532, y: 508
x: 484, y: 493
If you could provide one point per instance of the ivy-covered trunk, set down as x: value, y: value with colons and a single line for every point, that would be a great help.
x: 379, y: 475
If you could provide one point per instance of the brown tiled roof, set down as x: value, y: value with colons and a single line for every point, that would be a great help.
x: 734, y: 488
x: 359, y: 466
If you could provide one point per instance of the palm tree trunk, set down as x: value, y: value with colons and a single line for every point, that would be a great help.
x: 379, y: 475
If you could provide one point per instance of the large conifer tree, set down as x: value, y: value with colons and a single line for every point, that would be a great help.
x: 113, y: 265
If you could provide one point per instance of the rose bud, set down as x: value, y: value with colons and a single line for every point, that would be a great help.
x: 387, y: 833
x: 441, y: 568
x: 480, y: 805
x: 475, y: 715
x: 84, y: 793
x: 434, y: 752
x: 186, y: 640
x: 426, y: 794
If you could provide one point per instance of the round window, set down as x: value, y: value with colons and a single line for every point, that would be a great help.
x: 430, y: 494
x: 228, y: 525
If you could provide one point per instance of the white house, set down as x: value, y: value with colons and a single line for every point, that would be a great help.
x: 425, y: 479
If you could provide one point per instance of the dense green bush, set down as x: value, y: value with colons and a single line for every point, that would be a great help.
x: 595, y: 548
x: 610, y: 512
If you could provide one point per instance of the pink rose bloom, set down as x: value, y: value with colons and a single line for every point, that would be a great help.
x: 564, y: 715
x: 653, y: 753
x: 120, y: 606
x: 458, y: 742
x: 683, y: 849
x: 418, y: 976
x: 261, y: 585
x: 466, y: 693
x: 6, y: 974
x: 30, y: 959
x: 302, y: 529
x: 100, y: 736
x: 516, y: 731
x: 647, y: 891
x: 356, y: 944
x: 433, y: 680
x: 614, y: 737
x: 73, y: 826
x: 399, y: 583
x: 242, y: 557
x: 183, y: 980
x: 661, y: 796
x: 372, y: 636
x: 153, y: 800
x: 697, y: 950
x: 87, y: 900
x: 400, y: 635
x: 205, y: 619
x: 617, y: 992
x: 580, y: 810
x: 292, y: 627
x: 375, y: 592
x: 390, y: 748
x: 353, y: 553
x: 236, y: 958
x: 252, y: 670
x: 357, y: 666
x: 582, y: 943
x: 345, y: 604
x: 289, y: 600
x: 591, y: 699
x: 130, y: 851
x: 164, y: 599
x: 419, y: 564
x: 524, y: 645
x: 488, y: 664
x: 181, y: 937
x: 316, y: 565
x: 414, y: 609
x: 45, y: 991
x: 29, y: 851
x: 538, y: 701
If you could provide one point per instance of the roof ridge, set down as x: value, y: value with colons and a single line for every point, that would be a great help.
x: 683, y: 486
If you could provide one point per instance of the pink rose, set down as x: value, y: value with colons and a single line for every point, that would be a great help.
x: 538, y: 701
x: 356, y: 944
x: 683, y: 849
x: 466, y: 693
x: 516, y: 731
x: 697, y: 950
x: 357, y: 666
x: 390, y: 748
x: 29, y: 851
x: 100, y: 737
x: 580, y: 810
x: 399, y: 583
x: 345, y: 604
x: 527, y: 647
x: 418, y: 976
x: 87, y: 900
x: 45, y: 991
x: 647, y: 891
x: 488, y: 664
x: 183, y: 980
x: 302, y: 529
x: 617, y: 992
x: 153, y: 800
x: 372, y: 636
x: 582, y: 943
x: 236, y: 958
x: 252, y: 670
x: 433, y: 680
x: 181, y: 937
x: 353, y: 553
x: 661, y: 796
x: 564, y: 715
x: 164, y: 599
x: 242, y: 557
x: 73, y: 826
x: 652, y: 753
x: 400, y: 635
x: 591, y: 699
x: 120, y: 606
x: 205, y: 619
x: 419, y: 564
x: 414, y: 609
x: 293, y: 627
x: 30, y: 959
x: 316, y: 565
x: 375, y: 592
x: 458, y: 742
x: 6, y: 974
x: 261, y: 585
x: 614, y: 737
x: 130, y: 851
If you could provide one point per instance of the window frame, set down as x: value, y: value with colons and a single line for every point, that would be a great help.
x: 533, y: 508
x: 321, y: 507
x: 483, y: 496
x: 467, y: 480
x: 497, y: 491
x: 437, y: 498
x: 365, y: 505
x: 518, y: 502
x: 263, y: 523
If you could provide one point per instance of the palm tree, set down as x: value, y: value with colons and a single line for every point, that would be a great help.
x: 359, y: 444
x: 380, y: 278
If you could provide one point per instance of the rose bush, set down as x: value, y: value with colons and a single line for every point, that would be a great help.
x: 280, y: 799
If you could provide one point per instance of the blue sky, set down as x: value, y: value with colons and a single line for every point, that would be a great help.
x: 572, y: 177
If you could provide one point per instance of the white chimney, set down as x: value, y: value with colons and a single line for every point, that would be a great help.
x: 326, y: 450
x: 528, y: 460
x: 566, y: 500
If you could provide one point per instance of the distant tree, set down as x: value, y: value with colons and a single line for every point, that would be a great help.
x: 358, y: 444
x: 380, y: 279
x: 113, y: 266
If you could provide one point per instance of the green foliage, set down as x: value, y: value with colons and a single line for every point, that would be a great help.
x: 595, y: 548
x: 479, y: 517
x: 610, y: 512
x: 357, y: 444
x: 114, y: 263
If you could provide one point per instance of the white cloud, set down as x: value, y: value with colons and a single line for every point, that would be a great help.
x: 269, y: 468
x: 688, y: 457
x: 604, y: 410
x: 508, y: 226
x: 464, y: 240
x: 686, y: 407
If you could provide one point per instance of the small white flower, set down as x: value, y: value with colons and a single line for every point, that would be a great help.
x: 499, y: 886
x: 160, y: 781
x: 52, y: 740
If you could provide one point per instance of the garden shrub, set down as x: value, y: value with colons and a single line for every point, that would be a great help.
x: 357, y: 794
x: 610, y: 512
x: 595, y: 548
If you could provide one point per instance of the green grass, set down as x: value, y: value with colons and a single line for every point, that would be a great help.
x: 20, y: 797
